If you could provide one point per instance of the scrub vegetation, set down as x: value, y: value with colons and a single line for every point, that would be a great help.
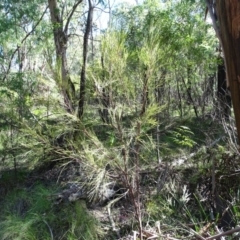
x: 125, y: 132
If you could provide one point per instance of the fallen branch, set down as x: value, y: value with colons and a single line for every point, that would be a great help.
x: 110, y: 216
x: 171, y: 238
x: 237, y: 229
x: 197, y: 235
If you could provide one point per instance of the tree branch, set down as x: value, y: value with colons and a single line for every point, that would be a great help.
x: 70, y: 16
x: 237, y: 229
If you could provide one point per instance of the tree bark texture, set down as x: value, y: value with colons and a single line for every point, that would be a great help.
x: 226, y: 21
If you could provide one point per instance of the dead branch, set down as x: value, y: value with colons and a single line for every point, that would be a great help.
x: 237, y: 229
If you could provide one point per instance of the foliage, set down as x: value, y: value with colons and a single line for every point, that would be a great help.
x: 182, y: 137
x: 149, y: 95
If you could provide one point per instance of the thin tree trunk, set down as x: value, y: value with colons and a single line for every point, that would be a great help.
x: 145, y: 99
x: 188, y: 90
x: 85, y: 51
x: 104, y: 98
x: 180, y: 99
x: 60, y: 33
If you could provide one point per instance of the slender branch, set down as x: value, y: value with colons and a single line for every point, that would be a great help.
x: 102, y: 10
x: 70, y: 16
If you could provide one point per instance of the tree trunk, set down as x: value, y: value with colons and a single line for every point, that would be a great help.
x: 104, y: 97
x: 224, y: 98
x: 226, y: 20
x: 60, y: 39
x: 84, y: 65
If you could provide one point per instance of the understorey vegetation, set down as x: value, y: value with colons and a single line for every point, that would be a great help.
x: 118, y: 132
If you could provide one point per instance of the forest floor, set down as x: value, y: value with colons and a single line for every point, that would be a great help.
x: 189, y: 195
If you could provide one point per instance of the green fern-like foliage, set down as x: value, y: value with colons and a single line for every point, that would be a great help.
x: 182, y: 137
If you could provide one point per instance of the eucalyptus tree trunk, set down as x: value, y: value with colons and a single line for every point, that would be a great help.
x: 226, y: 21
x: 60, y: 33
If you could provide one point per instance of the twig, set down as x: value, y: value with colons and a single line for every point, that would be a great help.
x: 153, y: 237
x: 218, y: 231
x: 171, y: 238
x: 197, y: 235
